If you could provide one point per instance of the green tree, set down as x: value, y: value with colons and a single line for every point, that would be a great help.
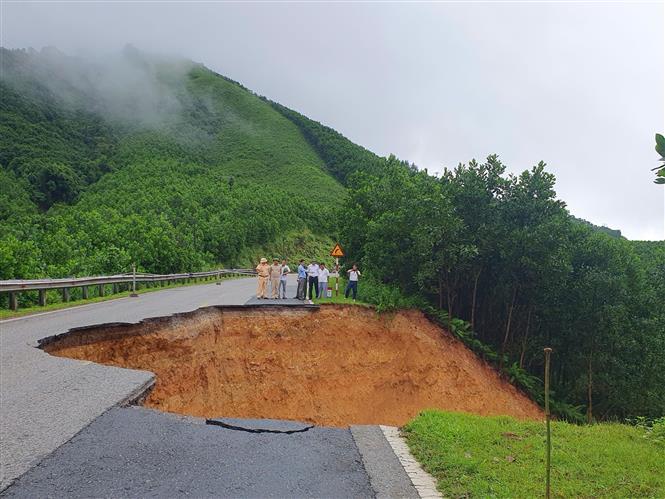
x: 660, y: 149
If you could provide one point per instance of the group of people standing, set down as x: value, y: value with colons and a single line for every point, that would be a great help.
x: 276, y: 274
x: 312, y: 280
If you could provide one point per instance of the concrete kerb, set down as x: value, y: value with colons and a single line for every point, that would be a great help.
x: 387, y: 477
x: 423, y: 482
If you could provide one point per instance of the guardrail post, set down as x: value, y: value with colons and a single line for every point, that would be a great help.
x: 65, y: 294
x: 133, y: 293
x: 101, y: 290
x: 115, y: 288
x: 42, y: 297
x: 13, y: 301
x: 85, y: 292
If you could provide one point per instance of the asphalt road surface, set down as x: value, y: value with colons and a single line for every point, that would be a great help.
x: 112, y: 451
x: 46, y: 400
x: 145, y: 453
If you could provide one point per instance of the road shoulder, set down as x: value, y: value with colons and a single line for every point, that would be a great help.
x: 386, y: 474
x: 423, y: 482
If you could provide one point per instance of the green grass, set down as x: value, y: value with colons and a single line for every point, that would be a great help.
x: 36, y: 309
x: 474, y: 456
x: 340, y: 299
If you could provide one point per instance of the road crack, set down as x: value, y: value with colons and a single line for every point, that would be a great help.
x: 215, y: 422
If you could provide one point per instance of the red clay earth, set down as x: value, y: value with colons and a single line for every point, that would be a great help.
x: 334, y: 366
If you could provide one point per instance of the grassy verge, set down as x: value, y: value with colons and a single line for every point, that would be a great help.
x: 11, y: 314
x: 340, y: 299
x: 474, y: 456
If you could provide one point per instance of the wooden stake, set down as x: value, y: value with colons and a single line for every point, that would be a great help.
x: 548, y: 454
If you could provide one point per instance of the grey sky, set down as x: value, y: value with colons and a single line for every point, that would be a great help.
x: 578, y: 85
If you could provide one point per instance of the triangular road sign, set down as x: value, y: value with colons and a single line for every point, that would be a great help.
x: 337, y: 251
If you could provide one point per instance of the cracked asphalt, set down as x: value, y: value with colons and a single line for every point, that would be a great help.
x: 138, y: 452
x: 63, y: 434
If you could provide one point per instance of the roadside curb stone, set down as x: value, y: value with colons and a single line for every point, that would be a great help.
x: 423, y: 482
x: 386, y: 474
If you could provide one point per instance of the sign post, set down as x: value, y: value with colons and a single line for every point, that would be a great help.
x: 337, y: 276
x: 337, y: 251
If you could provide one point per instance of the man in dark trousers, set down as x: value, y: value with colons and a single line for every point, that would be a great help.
x: 313, y: 279
x: 352, y: 286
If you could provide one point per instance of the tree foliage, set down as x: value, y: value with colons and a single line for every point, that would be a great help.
x: 89, y: 191
x: 660, y: 149
x: 200, y: 172
x: 502, y: 252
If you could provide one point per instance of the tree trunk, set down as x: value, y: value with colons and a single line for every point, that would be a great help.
x: 450, y: 305
x: 440, y: 293
x: 507, y: 335
x: 524, y: 340
x: 473, y: 301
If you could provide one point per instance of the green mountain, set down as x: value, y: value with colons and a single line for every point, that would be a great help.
x: 162, y: 162
x: 152, y: 160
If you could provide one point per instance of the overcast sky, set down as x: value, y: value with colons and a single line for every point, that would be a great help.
x: 577, y: 85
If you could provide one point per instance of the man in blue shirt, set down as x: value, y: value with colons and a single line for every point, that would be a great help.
x: 302, y: 280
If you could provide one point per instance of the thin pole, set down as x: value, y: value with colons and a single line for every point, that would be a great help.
x: 133, y: 293
x: 548, y: 351
x: 337, y: 278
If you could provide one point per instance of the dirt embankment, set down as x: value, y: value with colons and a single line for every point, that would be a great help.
x: 334, y: 366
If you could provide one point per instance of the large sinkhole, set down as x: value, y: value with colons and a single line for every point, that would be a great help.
x: 332, y: 366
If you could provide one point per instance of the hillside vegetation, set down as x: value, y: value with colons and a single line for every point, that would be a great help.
x: 502, y: 253
x: 196, y: 178
x: 500, y: 261
x: 164, y: 163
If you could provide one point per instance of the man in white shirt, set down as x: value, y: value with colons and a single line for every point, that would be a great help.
x: 282, y: 280
x: 353, y: 273
x: 313, y: 279
x: 323, y: 280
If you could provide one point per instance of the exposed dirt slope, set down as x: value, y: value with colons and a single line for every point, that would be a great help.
x: 334, y: 366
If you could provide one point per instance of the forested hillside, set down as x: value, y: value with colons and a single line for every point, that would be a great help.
x: 172, y: 167
x: 164, y: 163
x: 503, y: 253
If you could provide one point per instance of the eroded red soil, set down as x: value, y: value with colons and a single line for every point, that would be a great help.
x: 334, y: 366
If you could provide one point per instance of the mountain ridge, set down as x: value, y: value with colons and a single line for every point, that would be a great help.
x: 223, y: 174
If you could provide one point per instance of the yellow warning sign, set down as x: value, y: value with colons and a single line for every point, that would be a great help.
x: 337, y: 251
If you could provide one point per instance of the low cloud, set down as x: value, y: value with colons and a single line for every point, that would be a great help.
x: 129, y: 87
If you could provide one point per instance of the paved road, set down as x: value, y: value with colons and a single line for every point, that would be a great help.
x: 164, y: 455
x: 47, y: 401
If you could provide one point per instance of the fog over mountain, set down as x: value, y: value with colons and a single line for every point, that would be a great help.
x: 128, y: 85
x: 578, y: 85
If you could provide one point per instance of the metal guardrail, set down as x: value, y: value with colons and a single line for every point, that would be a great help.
x: 42, y: 285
